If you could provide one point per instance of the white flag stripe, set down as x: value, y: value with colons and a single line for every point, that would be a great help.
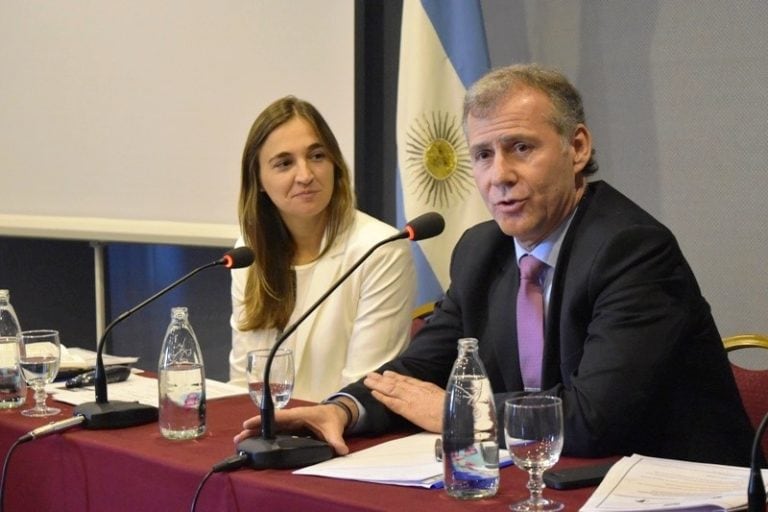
x: 432, y: 154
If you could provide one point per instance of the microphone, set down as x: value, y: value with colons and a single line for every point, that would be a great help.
x: 270, y: 451
x: 236, y: 258
x: 103, y: 414
x: 756, y: 488
x: 424, y: 226
x: 52, y: 427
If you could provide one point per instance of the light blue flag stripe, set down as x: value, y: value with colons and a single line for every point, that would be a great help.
x: 459, y: 25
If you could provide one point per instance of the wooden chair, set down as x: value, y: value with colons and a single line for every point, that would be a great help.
x: 753, y: 384
x: 420, y: 315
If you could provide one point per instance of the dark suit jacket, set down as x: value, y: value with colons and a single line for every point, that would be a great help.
x: 631, y: 346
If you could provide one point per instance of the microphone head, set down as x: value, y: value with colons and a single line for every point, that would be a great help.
x: 425, y: 226
x: 237, y: 258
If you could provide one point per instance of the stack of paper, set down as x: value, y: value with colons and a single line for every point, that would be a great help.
x: 135, y: 389
x: 640, y: 483
x: 408, y: 461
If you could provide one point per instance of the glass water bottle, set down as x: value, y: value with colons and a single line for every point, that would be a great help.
x: 181, y: 380
x: 13, y: 389
x: 470, y: 444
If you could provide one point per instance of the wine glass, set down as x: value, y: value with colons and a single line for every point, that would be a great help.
x: 39, y: 362
x: 533, y: 429
x: 281, y: 376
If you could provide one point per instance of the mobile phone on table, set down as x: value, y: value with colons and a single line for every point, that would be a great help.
x: 574, y: 478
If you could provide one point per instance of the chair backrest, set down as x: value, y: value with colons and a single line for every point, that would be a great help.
x: 745, y: 341
x: 753, y: 384
x: 420, y: 316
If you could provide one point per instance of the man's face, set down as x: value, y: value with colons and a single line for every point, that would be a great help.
x: 528, y: 176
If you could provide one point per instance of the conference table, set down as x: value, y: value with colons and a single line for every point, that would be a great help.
x: 136, y: 469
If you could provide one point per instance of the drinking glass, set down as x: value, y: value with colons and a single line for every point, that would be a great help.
x: 39, y: 362
x: 281, y: 376
x: 533, y: 429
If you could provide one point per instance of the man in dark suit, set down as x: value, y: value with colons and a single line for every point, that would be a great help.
x: 630, y: 344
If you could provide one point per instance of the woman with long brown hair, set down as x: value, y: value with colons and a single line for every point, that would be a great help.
x: 297, y: 212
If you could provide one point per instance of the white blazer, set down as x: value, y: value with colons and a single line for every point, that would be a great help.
x: 364, y: 323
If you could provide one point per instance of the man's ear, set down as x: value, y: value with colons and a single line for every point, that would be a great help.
x: 581, y: 145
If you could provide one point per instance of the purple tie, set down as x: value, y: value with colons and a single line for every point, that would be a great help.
x: 530, y: 321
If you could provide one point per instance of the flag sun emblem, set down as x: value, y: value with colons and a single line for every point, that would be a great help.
x: 437, y: 160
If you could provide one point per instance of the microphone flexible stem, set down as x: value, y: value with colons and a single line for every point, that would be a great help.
x: 4, y: 473
x: 267, y: 405
x: 100, y: 378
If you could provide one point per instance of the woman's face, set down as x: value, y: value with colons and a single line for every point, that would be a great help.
x: 296, y: 171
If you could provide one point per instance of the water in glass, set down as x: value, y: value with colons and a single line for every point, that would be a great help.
x: 281, y: 376
x: 39, y: 356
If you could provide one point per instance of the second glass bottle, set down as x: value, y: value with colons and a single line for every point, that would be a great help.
x: 181, y: 376
x: 470, y: 448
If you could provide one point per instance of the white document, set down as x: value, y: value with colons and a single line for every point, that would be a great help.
x: 640, y: 483
x: 135, y: 389
x: 408, y: 461
x: 75, y: 358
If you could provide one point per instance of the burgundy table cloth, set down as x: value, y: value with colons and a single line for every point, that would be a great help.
x: 136, y: 469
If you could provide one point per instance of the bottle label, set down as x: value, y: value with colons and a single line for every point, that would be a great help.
x: 472, y: 471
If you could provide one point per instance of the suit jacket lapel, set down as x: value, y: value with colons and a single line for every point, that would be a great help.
x: 502, y: 325
x: 552, y: 338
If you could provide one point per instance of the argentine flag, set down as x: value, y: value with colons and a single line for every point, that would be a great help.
x: 443, y: 50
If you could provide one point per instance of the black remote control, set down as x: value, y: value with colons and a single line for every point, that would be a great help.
x: 113, y: 373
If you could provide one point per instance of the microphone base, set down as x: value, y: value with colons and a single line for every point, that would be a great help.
x: 115, y: 414
x: 284, y: 452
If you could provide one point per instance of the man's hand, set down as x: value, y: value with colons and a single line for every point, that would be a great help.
x: 418, y: 401
x: 326, y: 422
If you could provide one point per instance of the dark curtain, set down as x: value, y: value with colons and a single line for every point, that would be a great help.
x: 137, y: 271
x: 52, y: 286
x: 377, y: 46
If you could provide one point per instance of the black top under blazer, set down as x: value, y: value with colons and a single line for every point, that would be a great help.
x: 631, y: 346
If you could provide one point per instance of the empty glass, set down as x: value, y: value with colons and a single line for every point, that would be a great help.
x: 40, y: 353
x: 281, y: 376
x: 533, y: 429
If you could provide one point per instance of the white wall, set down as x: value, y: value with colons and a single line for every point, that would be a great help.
x: 125, y: 120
